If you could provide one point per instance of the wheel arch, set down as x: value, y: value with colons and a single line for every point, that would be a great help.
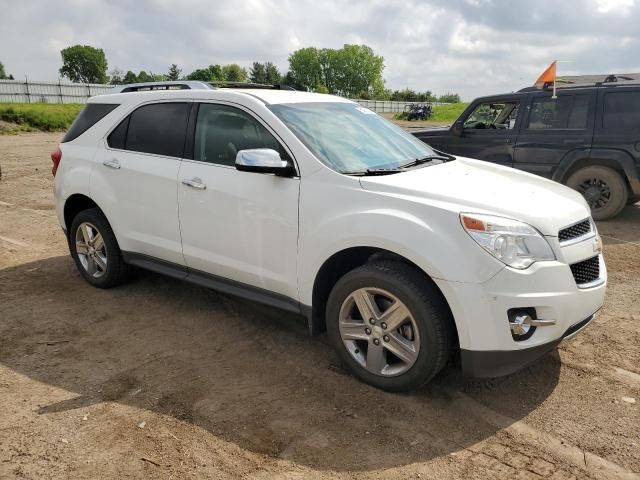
x: 75, y: 204
x: 619, y: 161
x: 341, y: 263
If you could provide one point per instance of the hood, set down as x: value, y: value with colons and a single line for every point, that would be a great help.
x: 467, y: 185
x: 431, y: 131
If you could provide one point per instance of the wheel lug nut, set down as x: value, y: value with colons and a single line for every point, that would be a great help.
x: 386, y: 338
x: 376, y: 341
x: 367, y: 331
x: 383, y: 325
x: 372, y: 321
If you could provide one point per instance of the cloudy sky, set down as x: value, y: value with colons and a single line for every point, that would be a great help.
x: 471, y: 47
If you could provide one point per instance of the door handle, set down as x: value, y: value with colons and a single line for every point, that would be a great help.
x: 502, y: 140
x: 195, y: 182
x: 573, y: 141
x: 113, y: 163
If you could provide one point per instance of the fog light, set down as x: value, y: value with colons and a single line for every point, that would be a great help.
x: 521, y: 323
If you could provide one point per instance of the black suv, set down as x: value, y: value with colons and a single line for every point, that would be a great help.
x: 587, y: 138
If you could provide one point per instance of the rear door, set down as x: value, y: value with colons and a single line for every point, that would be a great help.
x: 618, y: 124
x: 135, y: 179
x: 489, y: 132
x: 552, y: 128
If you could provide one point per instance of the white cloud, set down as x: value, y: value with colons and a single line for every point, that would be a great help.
x: 472, y: 47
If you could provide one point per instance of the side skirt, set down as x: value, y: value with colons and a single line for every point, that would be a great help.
x: 214, y: 282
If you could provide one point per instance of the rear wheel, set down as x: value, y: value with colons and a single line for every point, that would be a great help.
x: 389, y: 325
x: 95, y: 250
x: 603, y: 188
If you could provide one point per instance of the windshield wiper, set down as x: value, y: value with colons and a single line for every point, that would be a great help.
x: 427, y: 159
x: 375, y: 171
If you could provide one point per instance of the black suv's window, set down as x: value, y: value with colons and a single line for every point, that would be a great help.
x: 493, y: 115
x: 91, y: 114
x: 222, y: 131
x: 621, y: 111
x: 158, y: 128
x: 565, y: 112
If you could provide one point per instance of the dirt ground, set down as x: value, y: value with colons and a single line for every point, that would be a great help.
x: 162, y: 379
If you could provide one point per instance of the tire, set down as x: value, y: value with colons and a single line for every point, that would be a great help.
x: 427, y: 330
x: 604, y: 189
x: 99, y: 262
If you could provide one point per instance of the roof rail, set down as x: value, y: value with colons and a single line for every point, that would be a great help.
x: 191, y: 85
x: 586, y: 81
x: 168, y: 85
x: 225, y: 84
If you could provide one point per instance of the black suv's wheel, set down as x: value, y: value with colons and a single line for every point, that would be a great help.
x: 604, y: 189
x: 95, y: 250
x: 389, y: 325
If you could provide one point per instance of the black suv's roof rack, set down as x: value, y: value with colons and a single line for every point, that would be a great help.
x: 191, y: 85
x: 586, y: 81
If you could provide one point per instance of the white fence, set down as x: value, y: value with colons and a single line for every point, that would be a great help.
x: 17, y: 91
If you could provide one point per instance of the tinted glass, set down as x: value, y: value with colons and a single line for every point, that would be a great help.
x: 87, y: 118
x: 222, y: 131
x: 621, y: 111
x: 118, y: 137
x: 158, y: 128
x: 565, y: 112
x: 349, y: 138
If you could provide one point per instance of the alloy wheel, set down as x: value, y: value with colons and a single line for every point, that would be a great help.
x: 379, y: 332
x: 91, y: 249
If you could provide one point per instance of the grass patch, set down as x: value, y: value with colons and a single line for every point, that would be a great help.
x: 441, y: 113
x: 44, y: 117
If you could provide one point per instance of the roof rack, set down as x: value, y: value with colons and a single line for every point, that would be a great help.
x: 191, y: 85
x: 169, y: 85
x: 586, y: 81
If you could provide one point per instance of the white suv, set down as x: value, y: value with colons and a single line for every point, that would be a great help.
x: 316, y: 205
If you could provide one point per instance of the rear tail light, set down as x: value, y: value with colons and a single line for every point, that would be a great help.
x: 56, y: 156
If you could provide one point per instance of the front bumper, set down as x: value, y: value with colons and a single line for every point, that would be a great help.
x: 481, y: 311
x: 497, y: 363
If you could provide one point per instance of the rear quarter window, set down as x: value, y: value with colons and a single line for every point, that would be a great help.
x: 621, y: 111
x: 91, y: 114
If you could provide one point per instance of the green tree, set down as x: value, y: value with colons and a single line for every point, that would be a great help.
x: 144, y: 77
x: 129, y: 77
x: 83, y: 63
x: 234, y: 73
x: 3, y: 74
x: 212, y: 73
x: 258, y: 73
x: 272, y: 73
x: 304, y: 68
x: 449, y: 98
x: 173, y: 73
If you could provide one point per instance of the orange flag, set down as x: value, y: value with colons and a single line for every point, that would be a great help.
x: 548, y: 76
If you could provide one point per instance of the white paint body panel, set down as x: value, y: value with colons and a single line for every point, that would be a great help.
x: 276, y: 233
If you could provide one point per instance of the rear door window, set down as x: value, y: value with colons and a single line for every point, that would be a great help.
x: 621, y: 111
x: 158, y: 128
x: 565, y: 112
x: 91, y: 114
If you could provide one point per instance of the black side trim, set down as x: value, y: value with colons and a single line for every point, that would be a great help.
x: 497, y: 363
x: 214, y: 282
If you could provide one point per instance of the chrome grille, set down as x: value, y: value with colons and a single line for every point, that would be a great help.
x: 575, y: 231
x: 586, y: 271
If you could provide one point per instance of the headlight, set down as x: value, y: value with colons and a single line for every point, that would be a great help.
x: 513, y: 243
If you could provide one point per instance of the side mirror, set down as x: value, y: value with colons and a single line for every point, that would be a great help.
x: 263, y: 160
x: 457, y: 128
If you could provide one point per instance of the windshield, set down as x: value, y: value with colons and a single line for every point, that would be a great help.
x: 349, y: 138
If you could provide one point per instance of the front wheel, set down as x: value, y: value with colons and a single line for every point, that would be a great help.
x: 603, y: 188
x: 389, y: 325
